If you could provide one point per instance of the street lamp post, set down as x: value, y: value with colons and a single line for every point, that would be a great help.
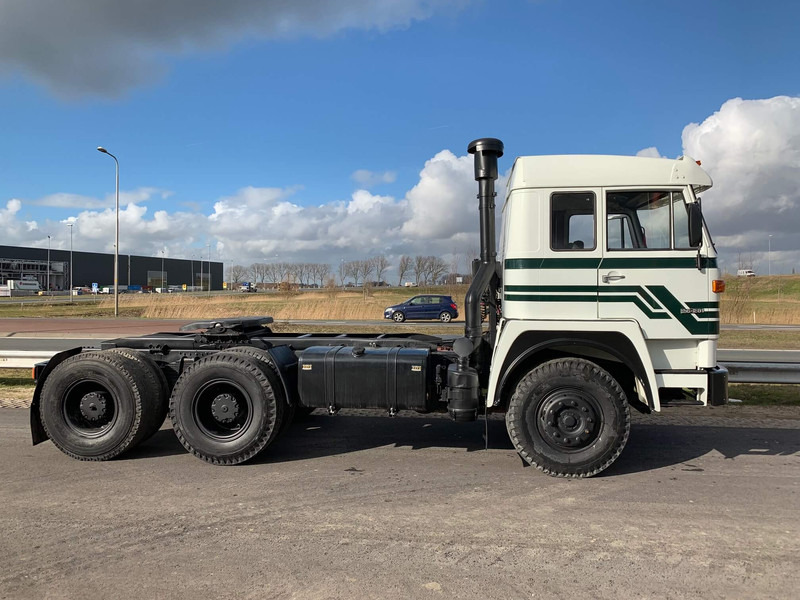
x: 70, y: 261
x: 209, y: 269
x: 48, y: 265
x: 116, y: 235
x: 769, y: 254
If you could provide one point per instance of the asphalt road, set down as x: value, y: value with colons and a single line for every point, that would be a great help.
x: 372, y: 507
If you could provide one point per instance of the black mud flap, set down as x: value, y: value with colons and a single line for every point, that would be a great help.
x: 285, y: 361
x: 38, y: 434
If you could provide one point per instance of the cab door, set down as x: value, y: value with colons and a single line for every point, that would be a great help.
x: 559, y: 278
x: 649, y: 272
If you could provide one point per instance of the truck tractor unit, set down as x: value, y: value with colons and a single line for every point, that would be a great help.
x: 605, y: 298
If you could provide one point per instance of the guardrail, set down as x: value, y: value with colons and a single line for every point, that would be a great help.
x: 758, y: 372
x: 738, y: 372
x: 22, y: 359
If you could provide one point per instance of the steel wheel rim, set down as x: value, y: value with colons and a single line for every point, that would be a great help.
x: 568, y: 419
x: 222, y: 409
x: 89, y: 408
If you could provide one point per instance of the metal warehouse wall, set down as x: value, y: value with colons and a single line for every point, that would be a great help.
x: 96, y: 267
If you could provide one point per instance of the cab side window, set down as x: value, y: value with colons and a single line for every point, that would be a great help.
x: 638, y: 220
x: 572, y: 221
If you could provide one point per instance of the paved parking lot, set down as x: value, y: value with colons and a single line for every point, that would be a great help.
x: 372, y: 507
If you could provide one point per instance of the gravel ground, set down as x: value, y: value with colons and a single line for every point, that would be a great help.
x: 362, y: 506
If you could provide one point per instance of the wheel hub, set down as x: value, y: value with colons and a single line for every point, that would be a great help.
x: 93, y: 407
x: 225, y: 408
x: 568, y: 420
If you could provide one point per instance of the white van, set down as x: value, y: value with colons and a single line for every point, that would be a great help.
x: 745, y: 273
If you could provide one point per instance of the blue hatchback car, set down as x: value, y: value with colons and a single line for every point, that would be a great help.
x: 427, y: 306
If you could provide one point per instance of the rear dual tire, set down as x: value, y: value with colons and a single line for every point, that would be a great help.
x: 97, y: 405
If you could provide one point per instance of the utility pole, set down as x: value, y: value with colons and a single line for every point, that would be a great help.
x: 116, y: 235
x: 71, y: 284
x: 48, y: 265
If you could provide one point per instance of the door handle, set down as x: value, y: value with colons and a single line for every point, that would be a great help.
x: 612, y: 276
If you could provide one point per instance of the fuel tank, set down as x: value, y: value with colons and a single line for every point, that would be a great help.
x: 356, y: 377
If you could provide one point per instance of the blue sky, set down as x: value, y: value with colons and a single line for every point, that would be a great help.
x: 245, y: 124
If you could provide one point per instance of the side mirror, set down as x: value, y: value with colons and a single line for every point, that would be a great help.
x: 695, y: 225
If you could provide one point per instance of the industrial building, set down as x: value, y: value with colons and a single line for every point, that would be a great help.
x: 94, y: 267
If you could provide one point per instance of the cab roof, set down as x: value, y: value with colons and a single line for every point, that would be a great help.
x: 583, y: 170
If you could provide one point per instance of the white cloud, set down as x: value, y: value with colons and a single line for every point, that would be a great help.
x: 437, y: 216
x: 751, y: 149
x: 368, y: 179
x: 70, y: 201
x: 105, y: 47
x: 443, y: 203
x: 651, y: 152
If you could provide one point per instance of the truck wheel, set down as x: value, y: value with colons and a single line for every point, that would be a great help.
x: 398, y: 317
x: 265, y: 362
x: 445, y: 317
x: 569, y: 418
x: 158, y: 398
x: 224, y: 408
x: 94, y: 405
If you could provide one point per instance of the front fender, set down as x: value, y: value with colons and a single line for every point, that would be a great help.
x: 38, y: 434
x: 597, y: 334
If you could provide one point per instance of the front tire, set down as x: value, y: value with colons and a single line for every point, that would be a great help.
x: 569, y: 418
x: 398, y: 317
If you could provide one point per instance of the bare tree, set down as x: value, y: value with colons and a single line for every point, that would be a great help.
x: 420, y: 269
x: 363, y: 269
x: 380, y: 263
x: 344, y: 272
x: 293, y: 273
x: 436, y: 268
x: 236, y: 274
x: 323, y: 273
x: 281, y: 271
x: 403, y: 267
x: 301, y: 272
x: 253, y: 271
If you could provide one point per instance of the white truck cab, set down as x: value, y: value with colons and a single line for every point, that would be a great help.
x: 608, y: 258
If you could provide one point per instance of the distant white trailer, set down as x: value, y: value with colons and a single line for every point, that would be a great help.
x: 23, y: 287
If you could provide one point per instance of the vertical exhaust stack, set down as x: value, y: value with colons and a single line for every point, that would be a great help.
x: 486, y: 151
